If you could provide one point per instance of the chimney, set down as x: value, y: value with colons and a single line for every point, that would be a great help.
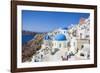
x: 82, y: 21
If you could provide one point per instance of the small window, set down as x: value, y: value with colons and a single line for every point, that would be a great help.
x: 82, y: 46
x: 81, y: 54
x: 59, y: 45
x: 80, y: 35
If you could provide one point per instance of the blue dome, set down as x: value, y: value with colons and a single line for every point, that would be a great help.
x: 46, y: 37
x: 65, y: 28
x: 60, y: 37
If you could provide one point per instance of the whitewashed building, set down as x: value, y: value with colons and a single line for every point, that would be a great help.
x: 63, y: 43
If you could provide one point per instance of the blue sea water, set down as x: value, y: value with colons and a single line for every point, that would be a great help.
x: 26, y: 38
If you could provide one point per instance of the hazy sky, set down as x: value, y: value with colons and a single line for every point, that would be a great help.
x: 44, y: 21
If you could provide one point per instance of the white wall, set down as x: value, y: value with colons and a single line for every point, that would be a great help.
x: 5, y: 36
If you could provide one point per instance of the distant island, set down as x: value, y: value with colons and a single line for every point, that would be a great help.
x: 25, y: 32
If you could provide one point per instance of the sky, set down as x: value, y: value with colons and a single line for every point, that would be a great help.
x: 46, y: 21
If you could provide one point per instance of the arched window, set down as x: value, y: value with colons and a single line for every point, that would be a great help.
x: 82, y: 46
x: 64, y: 31
x: 60, y: 45
x: 81, y: 35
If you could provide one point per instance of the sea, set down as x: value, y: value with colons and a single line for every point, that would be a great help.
x: 26, y: 38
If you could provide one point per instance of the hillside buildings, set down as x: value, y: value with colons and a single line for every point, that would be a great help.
x: 65, y: 44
